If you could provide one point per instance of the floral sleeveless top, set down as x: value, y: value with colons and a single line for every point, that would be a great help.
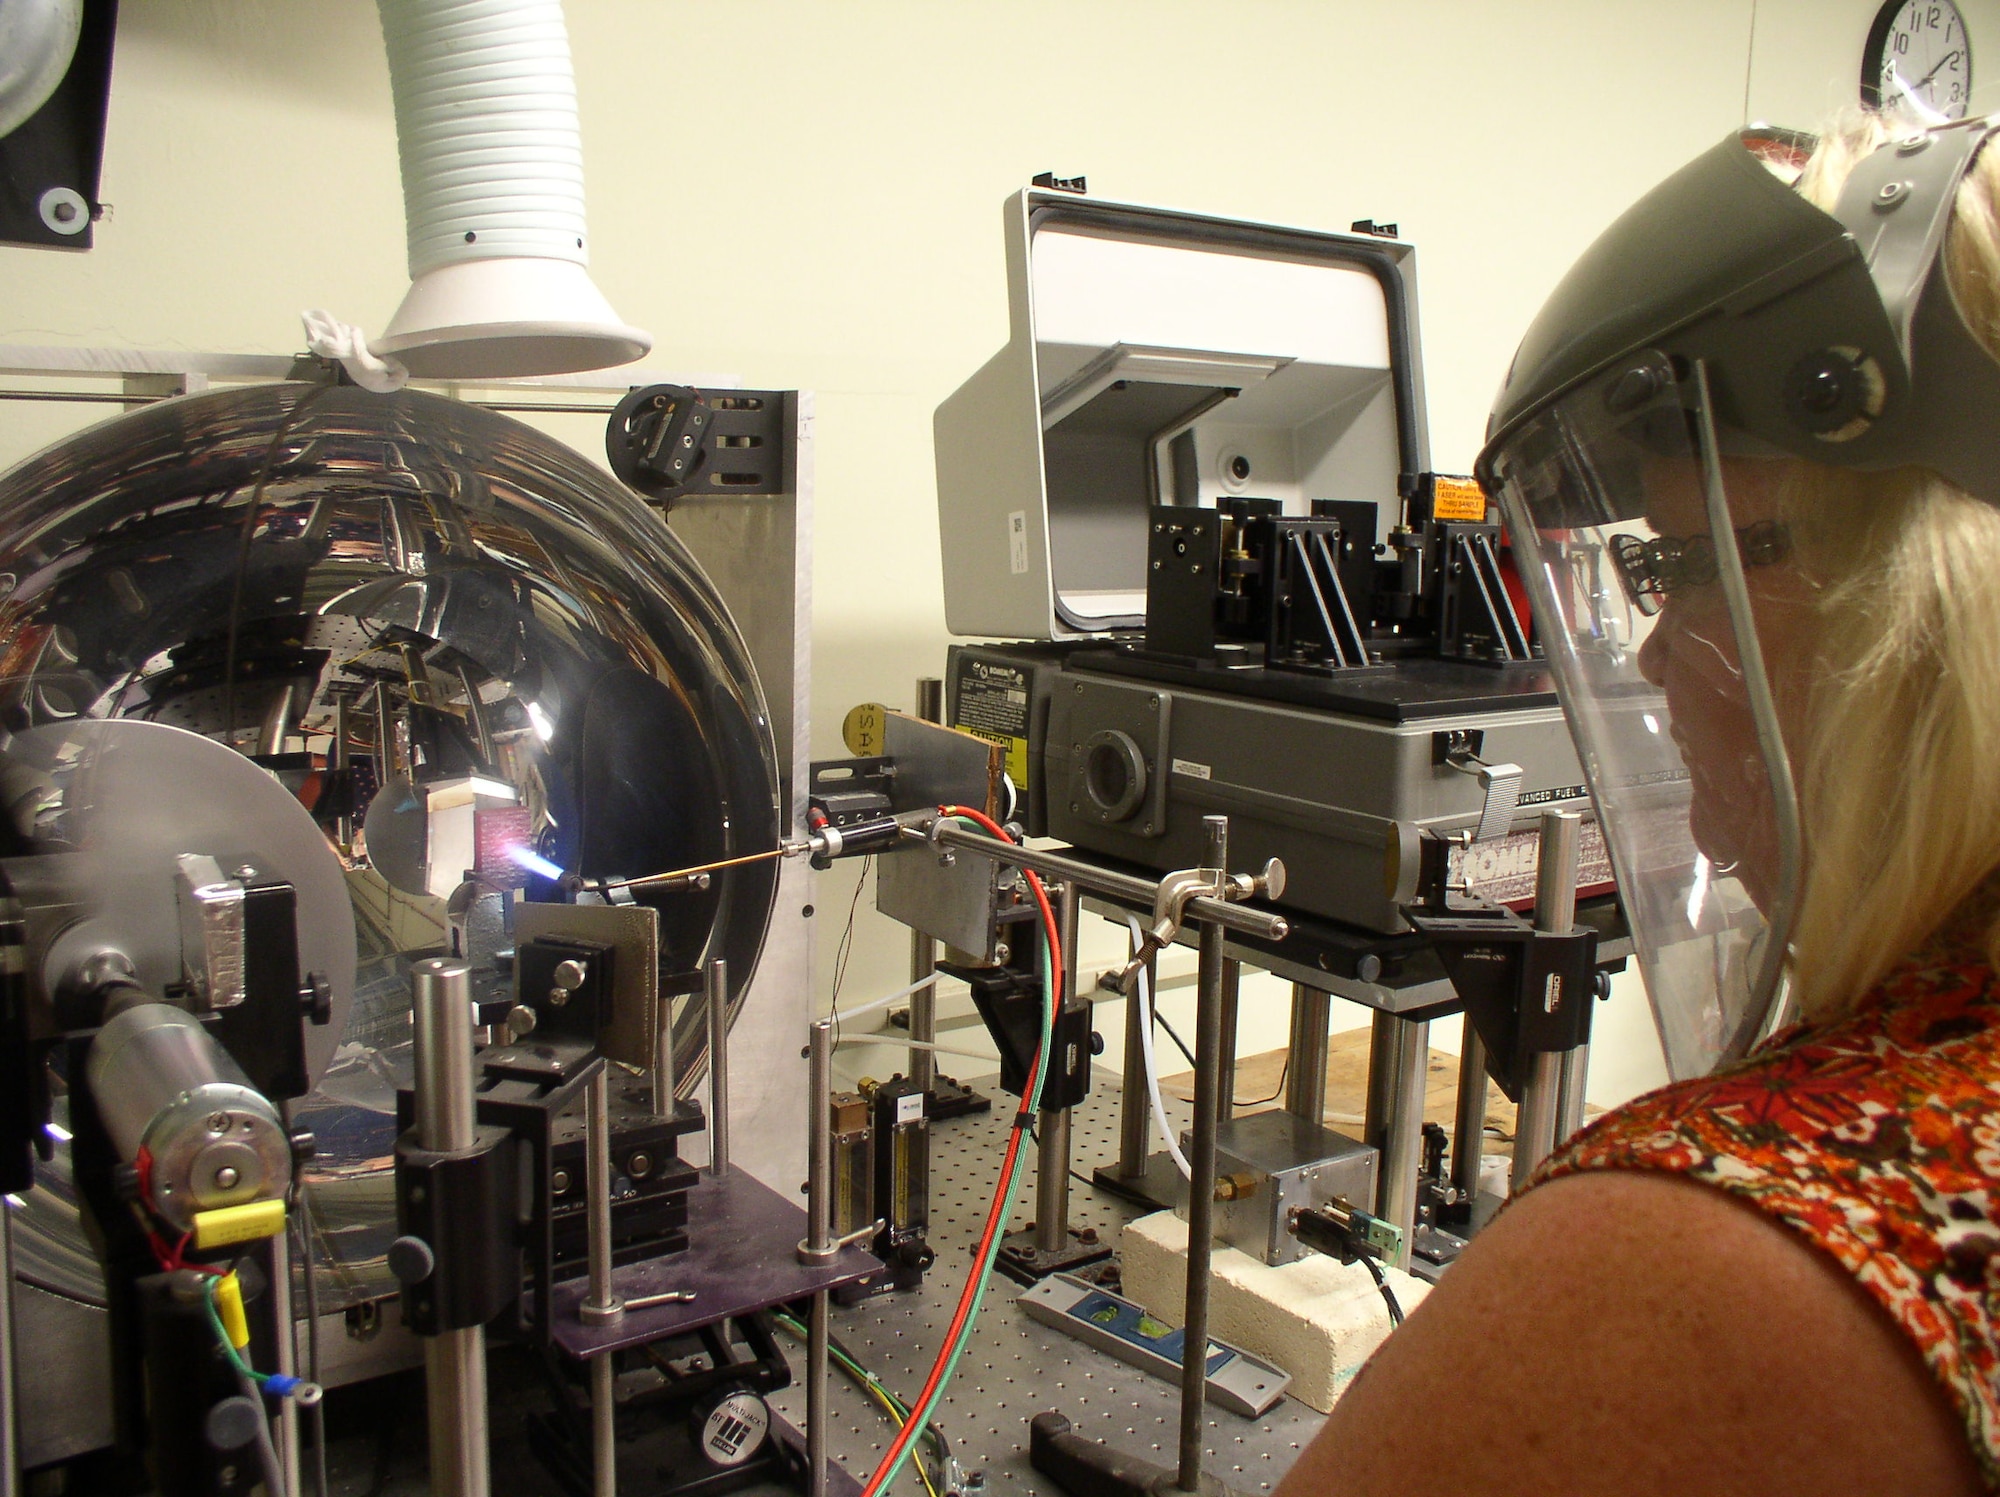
x: 1878, y: 1138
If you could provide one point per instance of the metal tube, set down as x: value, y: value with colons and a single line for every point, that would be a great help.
x: 1305, y: 1083
x: 454, y: 1361
x: 476, y: 717
x: 287, y: 1358
x: 1052, y: 1180
x: 277, y: 723
x: 601, y: 1306
x: 603, y: 1426
x: 819, y: 1216
x: 10, y: 1444
x: 1225, y: 1052
x: 1052, y: 1123
x: 818, y: 1337
x: 441, y: 1013
x: 1242, y: 918
x: 1134, y: 1106
x: 1468, y: 1136
x: 923, y: 1009
x: 1403, y: 1131
x: 1555, y: 910
x: 1201, y: 1184
x: 717, y: 996
x: 1384, y: 1042
x: 343, y: 826
x: 385, y: 734
x: 1569, y: 1092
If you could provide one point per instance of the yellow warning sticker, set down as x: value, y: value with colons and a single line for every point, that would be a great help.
x: 862, y: 729
x: 1017, y: 754
x: 1459, y: 499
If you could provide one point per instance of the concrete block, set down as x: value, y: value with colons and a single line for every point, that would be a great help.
x: 1316, y: 1319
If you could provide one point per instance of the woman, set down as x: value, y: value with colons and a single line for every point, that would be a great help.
x: 1753, y: 445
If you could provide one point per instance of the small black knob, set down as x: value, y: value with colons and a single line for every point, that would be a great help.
x: 316, y: 999
x: 1096, y: 1043
x: 411, y: 1260
x: 231, y: 1424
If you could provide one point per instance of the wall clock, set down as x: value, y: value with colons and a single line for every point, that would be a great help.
x: 1918, y: 61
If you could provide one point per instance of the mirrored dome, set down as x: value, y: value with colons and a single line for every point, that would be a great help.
x: 394, y: 603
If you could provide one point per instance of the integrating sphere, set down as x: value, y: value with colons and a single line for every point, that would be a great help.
x: 478, y: 615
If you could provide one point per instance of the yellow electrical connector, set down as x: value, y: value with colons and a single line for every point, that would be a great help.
x: 229, y: 1305
x: 226, y: 1226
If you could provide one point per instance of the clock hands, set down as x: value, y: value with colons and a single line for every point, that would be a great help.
x: 1924, y: 82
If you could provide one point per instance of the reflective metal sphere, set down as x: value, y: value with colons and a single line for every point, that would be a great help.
x: 378, y: 596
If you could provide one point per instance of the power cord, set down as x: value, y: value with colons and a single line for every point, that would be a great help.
x: 1381, y: 1283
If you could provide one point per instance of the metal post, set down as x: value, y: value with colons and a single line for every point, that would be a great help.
x: 717, y: 997
x: 1052, y: 1123
x: 1201, y: 1184
x: 1555, y: 909
x: 385, y: 731
x: 1134, y: 1105
x: 454, y: 1361
x: 10, y: 1445
x: 286, y: 1356
x: 1384, y: 1041
x: 1403, y: 1130
x: 923, y: 950
x: 1225, y: 1053
x: 1570, y: 1090
x: 277, y: 724
x: 1468, y: 1136
x: 602, y: 1305
x: 1305, y: 1083
x: 343, y: 826
x: 819, y: 1215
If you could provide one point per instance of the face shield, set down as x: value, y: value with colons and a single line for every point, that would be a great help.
x: 1661, y: 581
x: 1653, y: 451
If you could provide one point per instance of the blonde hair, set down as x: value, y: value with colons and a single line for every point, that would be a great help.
x: 1899, y: 772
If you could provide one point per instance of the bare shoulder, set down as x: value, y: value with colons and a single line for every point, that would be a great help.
x: 1627, y: 1333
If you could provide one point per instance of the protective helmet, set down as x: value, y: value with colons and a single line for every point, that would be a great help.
x: 1647, y: 448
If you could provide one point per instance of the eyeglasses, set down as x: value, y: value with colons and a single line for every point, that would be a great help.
x: 1653, y: 570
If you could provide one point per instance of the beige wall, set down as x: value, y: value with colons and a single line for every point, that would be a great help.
x: 807, y: 194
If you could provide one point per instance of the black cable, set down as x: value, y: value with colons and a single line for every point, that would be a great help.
x: 1117, y: 1192
x: 1283, y: 1071
x: 1179, y: 1044
x: 845, y: 948
x: 1395, y: 1310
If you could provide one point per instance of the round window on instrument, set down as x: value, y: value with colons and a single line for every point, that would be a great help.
x: 1114, y: 773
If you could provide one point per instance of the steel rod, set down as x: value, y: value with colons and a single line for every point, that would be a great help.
x: 1570, y: 1092
x: 601, y: 1306
x: 455, y: 1360
x: 10, y: 1442
x: 1134, y: 1106
x: 1384, y: 1038
x: 1468, y: 1137
x: 923, y: 1009
x: 819, y: 1217
x: 717, y: 996
x: 343, y: 826
x: 1208, y: 1082
x: 1403, y: 1130
x: 1225, y: 1053
x: 286, y: 1356
x: 603, y: 1425
x: 1555, y: 910
x: 1052, y: 1123
x: 1127, y: 888
x: 1305, y: 1082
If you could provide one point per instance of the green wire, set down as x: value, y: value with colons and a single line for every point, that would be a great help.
x: 222, y: 1335
x: 984, y: 1267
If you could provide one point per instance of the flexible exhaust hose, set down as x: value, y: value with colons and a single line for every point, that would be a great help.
x: 486, y: 129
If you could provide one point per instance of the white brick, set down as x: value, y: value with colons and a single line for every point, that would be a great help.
x: 1316, y: 1319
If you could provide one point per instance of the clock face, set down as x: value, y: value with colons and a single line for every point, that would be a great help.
x: 1918, y: 61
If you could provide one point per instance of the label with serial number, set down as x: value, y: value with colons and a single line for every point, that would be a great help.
x: 991, y: 702
x: 1191, y: 769
x: 1017, y: 542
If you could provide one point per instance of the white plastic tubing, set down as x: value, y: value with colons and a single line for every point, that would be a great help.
x: 486, y: 127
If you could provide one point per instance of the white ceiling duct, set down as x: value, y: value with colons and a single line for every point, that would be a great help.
x: 37, y: 41
x: 493, y: 193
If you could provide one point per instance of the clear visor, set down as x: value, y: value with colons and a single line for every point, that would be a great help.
x: 1606, y: 500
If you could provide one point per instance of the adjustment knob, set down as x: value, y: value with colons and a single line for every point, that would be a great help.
x: 411, y: 1260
